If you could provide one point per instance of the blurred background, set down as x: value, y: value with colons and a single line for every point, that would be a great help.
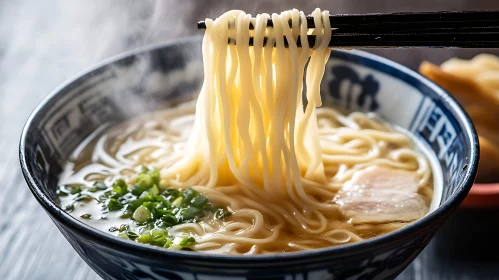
x: 43, y: 43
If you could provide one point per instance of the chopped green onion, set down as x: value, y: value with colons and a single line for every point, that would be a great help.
x: 147, y: 204
x: 189, y: 194
x: 114, y: 205
x: 158, y: 231
x: 159, y: 211
x: 132, y: 235
x: 120, y: 188
x: 137, y: 190
x: 145, y: 181
x: 145, y: 239
x: 123, y: 235
x: 69, y: 208
x: 155, y: 177
x: 169, y: 220
x: 177, y: 202
x: 86, y: 216
x: 82, y: 197
x: 175, y: 247
x: 221, y: 213
x: 75, y: 190
x: 160, y: 198
x: 190, y: 213
x: 142, y: 214
x: 168, y: 243
x: 159, y: 240
x: 103, y: 197
x: 146, y: 196
x: 126, y: 215
x: 188, y: 241
x: 154, y: 190
x: 134, y: 205
x: 199, y: 201
x: 171, y: 193
x: 151, y: 205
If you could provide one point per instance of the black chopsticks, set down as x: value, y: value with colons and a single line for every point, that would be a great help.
x: 476, y: 29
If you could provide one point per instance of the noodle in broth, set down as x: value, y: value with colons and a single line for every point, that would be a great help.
x: 250, y: 144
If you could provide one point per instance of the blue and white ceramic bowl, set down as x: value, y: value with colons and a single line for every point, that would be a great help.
x: 155, y: 77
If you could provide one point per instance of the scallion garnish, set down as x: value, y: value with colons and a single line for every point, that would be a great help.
x: 189, y: 194
x: 69, y: 208
x: 120, y: 188
x: 188, y: 241
x: 123, y: 235
x: 191, y: 213
x: 148, y: 206
x: 141, y: 214
x: 132, y: 235
x: 178, y: 201
x: 114, y: 205
x: 199, y: 201
x: 221, y: 213
x: 75, y: 190
x: 146, y: 239
x: 83, y: 197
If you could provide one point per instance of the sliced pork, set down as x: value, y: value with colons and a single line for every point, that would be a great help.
x: 380, y: 195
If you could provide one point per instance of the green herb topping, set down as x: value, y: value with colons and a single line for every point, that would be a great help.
x: 86, y: 216
x: 149, y: 206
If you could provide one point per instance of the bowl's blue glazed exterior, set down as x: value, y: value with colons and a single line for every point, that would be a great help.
x: 153, y: 77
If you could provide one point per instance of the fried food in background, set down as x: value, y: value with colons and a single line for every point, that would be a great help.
x: 475, y: 84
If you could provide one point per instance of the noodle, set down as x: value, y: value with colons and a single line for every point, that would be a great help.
x: 255, y: 148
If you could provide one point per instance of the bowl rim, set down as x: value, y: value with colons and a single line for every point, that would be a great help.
x: 258, y: 261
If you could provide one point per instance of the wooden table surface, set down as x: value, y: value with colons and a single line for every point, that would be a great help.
x: 42, y: 43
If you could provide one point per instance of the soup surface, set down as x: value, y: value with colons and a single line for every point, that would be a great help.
x: 376, y: 182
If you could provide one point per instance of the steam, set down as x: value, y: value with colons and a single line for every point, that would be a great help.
x: 72, y: 35
x: 43, y: 43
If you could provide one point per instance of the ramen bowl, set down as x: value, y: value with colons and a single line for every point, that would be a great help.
x: 159, y: 76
